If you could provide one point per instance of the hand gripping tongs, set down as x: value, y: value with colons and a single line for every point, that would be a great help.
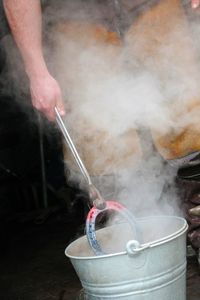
x: 99, y: 204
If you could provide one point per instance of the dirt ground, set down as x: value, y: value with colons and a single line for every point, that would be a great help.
x: 34, y: 267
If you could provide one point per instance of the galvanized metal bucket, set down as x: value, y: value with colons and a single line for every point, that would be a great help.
x: 153, y: 270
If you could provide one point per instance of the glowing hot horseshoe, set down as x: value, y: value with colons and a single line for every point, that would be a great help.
x: 91, y: 221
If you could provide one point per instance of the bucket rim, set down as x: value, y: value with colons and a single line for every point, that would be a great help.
x: 155, y: 243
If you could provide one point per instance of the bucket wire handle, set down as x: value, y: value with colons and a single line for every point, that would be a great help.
x: 134, y: 247
x: 123, y: 211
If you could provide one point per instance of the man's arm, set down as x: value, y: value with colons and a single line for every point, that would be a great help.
x: 25, y: 20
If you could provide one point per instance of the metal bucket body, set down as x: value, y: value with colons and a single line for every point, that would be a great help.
x: 156, y: 270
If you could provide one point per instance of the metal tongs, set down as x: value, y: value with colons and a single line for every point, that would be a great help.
x: 94, y: 195
x: 99, y: 204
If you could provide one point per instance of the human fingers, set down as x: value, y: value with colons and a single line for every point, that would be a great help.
x: 46, y: 95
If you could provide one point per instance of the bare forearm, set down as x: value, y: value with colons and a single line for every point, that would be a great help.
x: 24, y: 17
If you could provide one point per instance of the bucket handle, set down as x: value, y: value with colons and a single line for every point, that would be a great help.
x: 133, y: 247
x: 91, y: 221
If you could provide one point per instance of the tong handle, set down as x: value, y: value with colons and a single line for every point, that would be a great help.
x: 94, y: 194
x: 72, y: 147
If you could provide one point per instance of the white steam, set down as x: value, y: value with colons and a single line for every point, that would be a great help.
x: 116, y: 88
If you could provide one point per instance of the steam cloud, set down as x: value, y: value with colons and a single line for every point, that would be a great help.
x: 141, y: 82
x: 117, y: 88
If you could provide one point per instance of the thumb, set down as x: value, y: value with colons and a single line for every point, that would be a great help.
x: 60, y: 105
